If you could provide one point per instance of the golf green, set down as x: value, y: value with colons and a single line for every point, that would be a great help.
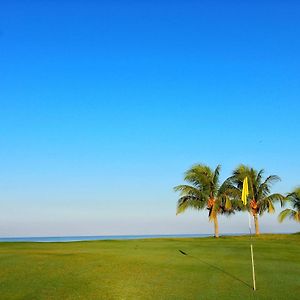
x: 171, y: 268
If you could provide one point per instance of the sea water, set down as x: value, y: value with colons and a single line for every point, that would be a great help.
x: 97, y: 237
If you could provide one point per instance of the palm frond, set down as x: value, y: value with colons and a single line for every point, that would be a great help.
x: 294, y: 198
x: 186, y: 190
x: 258, y: 176
x: 186, y: 202
x: 199, y: 175
x: 289, y: 213
x: 275, y: 198
x: 272, y: 179
x: 215, y: 181
x: 267, y: 203
x: 271, y: 208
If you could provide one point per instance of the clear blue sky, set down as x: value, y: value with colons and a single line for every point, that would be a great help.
x: 104, y: 105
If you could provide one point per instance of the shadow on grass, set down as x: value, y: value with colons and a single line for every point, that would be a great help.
x: 217, y: 268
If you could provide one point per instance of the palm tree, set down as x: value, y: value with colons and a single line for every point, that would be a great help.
x: 294, y: 199
x: 205, y: 191
x: 259, y: 191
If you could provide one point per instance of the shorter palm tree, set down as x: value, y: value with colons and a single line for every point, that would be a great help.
x: 205, y: 191
x: 294, y: 214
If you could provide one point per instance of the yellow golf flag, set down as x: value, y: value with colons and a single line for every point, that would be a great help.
x: 245, y: 191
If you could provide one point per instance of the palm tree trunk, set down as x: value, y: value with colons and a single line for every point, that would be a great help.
x: 216, y: 225
x: 256, y: 224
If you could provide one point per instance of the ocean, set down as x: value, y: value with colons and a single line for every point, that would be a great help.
x: 96, y: 238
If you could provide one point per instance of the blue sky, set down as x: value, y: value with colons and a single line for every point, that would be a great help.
x: 104, y: 105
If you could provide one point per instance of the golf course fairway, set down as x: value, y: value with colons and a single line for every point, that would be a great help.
x: 168, y: 268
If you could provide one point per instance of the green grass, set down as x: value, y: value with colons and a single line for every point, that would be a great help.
x: 152, y: 269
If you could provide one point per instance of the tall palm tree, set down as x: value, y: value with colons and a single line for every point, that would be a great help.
x: 259, y: 191
x: 205, y: 191
x: 294, y: 214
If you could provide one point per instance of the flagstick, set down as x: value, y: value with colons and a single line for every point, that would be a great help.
x: 253, y: 271
x: 252, y: 258
x: 245, y: 193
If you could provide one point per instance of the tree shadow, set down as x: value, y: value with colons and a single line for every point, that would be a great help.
x: 217, y: 268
